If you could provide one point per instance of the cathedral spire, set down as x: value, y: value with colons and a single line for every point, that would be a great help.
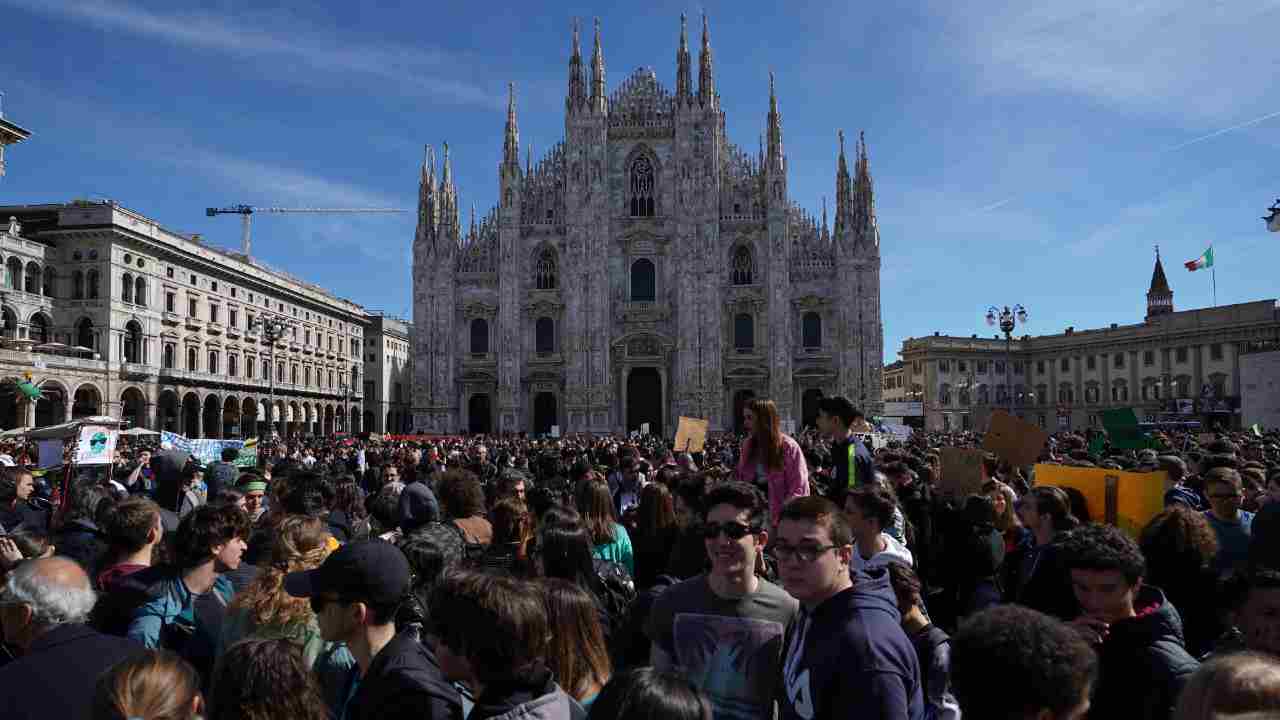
x: 864, y: 205
x: 706, y: 79
x: 511, y: 145
x: 528, y: 160
x: 825, y: 234
x: 775, y: 129
x: 426, y: 232
x: 448, y: 220
x: 577, y: 84
x: 1159, y: 295
x: 684, y: 74
x: 471, y: 233
x: 844, y: 191
x: 597, y: 74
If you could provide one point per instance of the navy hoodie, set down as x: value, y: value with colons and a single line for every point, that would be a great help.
x: 849, y: 656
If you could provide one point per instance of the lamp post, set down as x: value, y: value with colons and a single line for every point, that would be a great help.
x: 347, y: 389
x: 272, y: 328
x: 1008, y: 319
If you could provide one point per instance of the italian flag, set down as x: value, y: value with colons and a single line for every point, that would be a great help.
x: 1204, y: 261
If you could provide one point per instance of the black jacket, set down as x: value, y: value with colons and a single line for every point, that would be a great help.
x: 82, y: 541
x: 1044, y: 583
x: 56, y: 677
x: 404, y: 681
x: 1143, y: 663
x: 864, y: 468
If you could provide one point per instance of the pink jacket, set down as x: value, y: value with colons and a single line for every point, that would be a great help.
x: 789, y: 482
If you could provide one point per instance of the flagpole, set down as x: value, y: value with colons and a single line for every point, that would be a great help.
x: 1214, y: 274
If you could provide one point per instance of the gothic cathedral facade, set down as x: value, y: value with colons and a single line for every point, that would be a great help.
x: 644, y: 268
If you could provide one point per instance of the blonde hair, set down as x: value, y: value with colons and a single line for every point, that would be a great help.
x: 1009, y: 518
x: 1238, y: 683
x: 153, y: 685
x: 301, y: 543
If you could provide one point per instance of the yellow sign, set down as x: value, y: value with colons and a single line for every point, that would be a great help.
x: 1127, y: 500
x: 691, y: 434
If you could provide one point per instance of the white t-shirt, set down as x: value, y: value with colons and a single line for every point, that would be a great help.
x: 893, y: 551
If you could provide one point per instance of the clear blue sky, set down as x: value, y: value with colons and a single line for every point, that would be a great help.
x: 1027, y: 151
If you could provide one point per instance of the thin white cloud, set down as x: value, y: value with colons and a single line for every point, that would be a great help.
x: 415, y: 70
x: 1223, y: 131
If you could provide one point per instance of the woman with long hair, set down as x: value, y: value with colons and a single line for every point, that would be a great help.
x: 1179, y: 545
x: 152, y: 685
x: 348, y: 517
x: 1007, y: 521
x: 577, y: 653
x: 770, y: 458
x: 595, y: 505
x: 265, y: 610
x: 262, y: 679
x: 656, y: 533
x: 645, y: 693
x: 512, y: 534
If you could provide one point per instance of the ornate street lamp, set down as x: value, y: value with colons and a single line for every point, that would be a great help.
x: 1008, y: 319
x: 272, y: 328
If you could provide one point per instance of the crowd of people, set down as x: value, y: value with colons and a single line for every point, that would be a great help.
x: 602, y: 577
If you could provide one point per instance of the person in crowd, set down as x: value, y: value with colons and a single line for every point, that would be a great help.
x: 1254, y: 602
x: 512, y: 535
x: 975, y: 556
x: 932, y: 644
x: 852, y: 461
x: 223, y: 473
x: 511, y: 483
x: 462, y: 498
x: 1231, y: 524
x: 187, y: 602
x: 229, y: 496
x: 868, y: 510
x: 656, y: 533
x: 44, y: 614
x: 140, y: 480
x: 1041, y: 582
x: 175, y: 493
x: 1231, y: 685
x: 491, y: 634
x: 645, y: 693
x: 16, y: 509
x: 1013, y: 662
x: 771, y: 459
x: 254, y: 488
x: 355, y: 594
x: 265, y: 679
x: 1005, y: 500
x: 22, y: 545
x: 265, y: 610
x: 391, y: 482
x: 431, y: 550
x: 149, y: 685
x: 79, y: 536
x: 576, y: 651
x: 418, y: 505
x: 133, y: 531
x: 848, y: 648
x: 1185, y: 490
x: 726, y: 612
x: 610, y: 539
x: 348, y: 518
x: 1179, y: 546
x: 1135, y: 629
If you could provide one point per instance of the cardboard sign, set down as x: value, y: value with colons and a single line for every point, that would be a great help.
x: 691, y: 434
x: 1127, y: 500
x: 1014, y: 439
x: 963, y: 472
x: 1123, y: 430
x: 97, y: 445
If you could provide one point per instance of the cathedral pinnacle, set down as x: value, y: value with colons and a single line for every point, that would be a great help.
x: 597, y: 74
x: 864, y: 205
x: 511, y: 145
x: 426, y: 231
x: 775, y: 128
x: 706, y: 80
x: 844, y: 192
x: 684, y: 77
x: 577, y: 84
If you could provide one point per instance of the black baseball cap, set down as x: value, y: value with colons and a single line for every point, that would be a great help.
x: 368, y: 571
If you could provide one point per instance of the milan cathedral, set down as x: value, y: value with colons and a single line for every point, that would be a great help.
x: 642, y: 269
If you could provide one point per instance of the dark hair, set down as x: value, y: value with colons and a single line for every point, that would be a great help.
x: 153, y: 684
x: 9, y: 477
x: 384, y: 507
x: 765, y: 442
x: 565, y: 549
x: 1237, y: 586
x: 1177, y: 541
x: 308, y: 494
x: 1010, y: 661
x: 837, y: 406
x: 1229, y: 684
x: 1052, y: 501
x: 1223, y: 476
x: 906, y: 585
x: 1104, y: 547
x: 461, y: 494
x: 576, y: 650
x: 822, y: 512
x: 498, y: 623
x: 30, y: 542
x: 85, y: 502
x: 657, y: 512
x: 265, y: 679
x: 205, y: 527
x: 229, y: 454
x: 129, y: 524
x: 645, y: 693
x: 595, y: 504
x: 227, y: 496
x: 875, y: 502
x: 741, y: 496
x: 511, y: 521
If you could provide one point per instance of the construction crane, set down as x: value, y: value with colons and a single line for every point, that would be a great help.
x: 246, y: 212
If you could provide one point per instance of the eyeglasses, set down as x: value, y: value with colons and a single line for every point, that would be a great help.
x: 735, y: 530
x: 806, y: 553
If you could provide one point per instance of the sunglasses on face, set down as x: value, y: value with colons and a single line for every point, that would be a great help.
x: 806, y: 553
x: 734, y: 530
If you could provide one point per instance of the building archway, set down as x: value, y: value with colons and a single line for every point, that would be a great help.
x: 231, y: 418
x: 809, y: 407
x: 479, y: 414
x: 544, y: 412
x: 88, y: 402
x: 212, y: 425
x: 168, y: 411
x: 51, y: 408
x: 191, y: 415
x: 740, y: 400
x: 133, y: 407
x: 250, y: 414
x: 328, y: 420
x: 644, y: 399
x: 368, y: 421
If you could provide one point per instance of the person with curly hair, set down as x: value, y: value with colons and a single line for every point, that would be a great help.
x: 1133, y: 626
x: 154, y: 685
x: 265, y: 610
x: 1179, y: 546
x: 462, y: 499
x: 1231, y: 685
x: 265, y: 679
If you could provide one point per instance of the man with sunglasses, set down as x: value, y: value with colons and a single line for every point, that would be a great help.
x: 847, y: 652
x: 355, y: 594
x: 723, y: 629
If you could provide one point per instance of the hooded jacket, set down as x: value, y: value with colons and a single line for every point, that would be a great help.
x: 536, y: 697
x: 1145, y: 652
x: 851, y: 654
x: 404, y: 681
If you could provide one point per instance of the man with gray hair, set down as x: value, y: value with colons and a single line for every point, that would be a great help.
x: 44, y: 608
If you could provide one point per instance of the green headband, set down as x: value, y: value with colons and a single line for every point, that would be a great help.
x: 254, y: 486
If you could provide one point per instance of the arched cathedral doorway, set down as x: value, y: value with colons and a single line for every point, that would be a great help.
x: 544, y: 412
x: 644, y: 400
x: 479, y: 415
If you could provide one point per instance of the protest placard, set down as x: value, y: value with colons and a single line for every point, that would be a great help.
x: 1014, y: 439
x: 691, y: 434
x: 1127, y: 500
x: 963, y: 472
x: 97, y: 445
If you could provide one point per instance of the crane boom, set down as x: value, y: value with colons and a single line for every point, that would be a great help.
x: 247, y: 211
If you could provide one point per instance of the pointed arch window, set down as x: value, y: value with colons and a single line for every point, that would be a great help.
x: 642, y: 184
x: 643, y: 281
x: 544, y: 336
x: 743, y: 269
x: 479, y: 336
x: 544, y: 271
x: 744, y: 332
x: 213, y: 361
x: 811, y: 330
x: 233, y: 365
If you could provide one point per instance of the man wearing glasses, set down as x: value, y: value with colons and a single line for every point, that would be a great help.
x: 1232, y: 525
x: 723, y: 629
x: 847, y: 650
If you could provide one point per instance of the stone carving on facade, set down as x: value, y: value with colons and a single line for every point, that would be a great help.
x: 476, y: 309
